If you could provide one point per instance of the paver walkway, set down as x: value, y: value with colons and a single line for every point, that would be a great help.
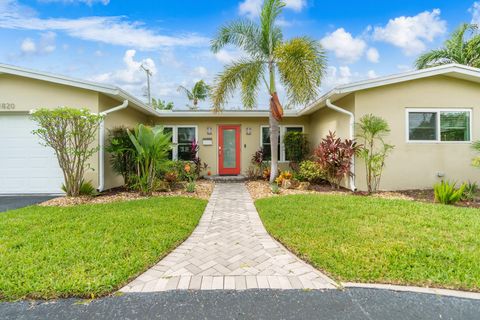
x: 230, y: 249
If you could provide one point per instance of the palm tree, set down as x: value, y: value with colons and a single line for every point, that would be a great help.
x: 299, y: 62
x: 458, y: 49
x: 198, y: 93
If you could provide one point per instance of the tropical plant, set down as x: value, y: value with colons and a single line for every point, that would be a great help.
x: 335, y: 157
x: 199, y: 92
x: 296, y: 146
x: 198, y: 165
x: 283, y: 177
x: 275, y: 188
x: 257, y: 164
x: 122, y: 154
x: 86, y: 189
x: 471, y: 190
x: 447, y: 193
x: 191, y: 186
x: 71, y: 133
x: 459, y: 48
x: 311, y: 171
x: 152, y: 148
x: 162, y: 105
x: 299, y: 62
x: 371, y: 130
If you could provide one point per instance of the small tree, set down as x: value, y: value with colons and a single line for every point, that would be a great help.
x: 162, y: 105
x: 199, y: 92
x: 296, y: 147
x: 70, y: 133
x: 335, y: 157
x: 152, y: 148
x: 371, y: 130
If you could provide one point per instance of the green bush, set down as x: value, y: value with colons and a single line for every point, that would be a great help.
x: 296, y: 146
x: 122, y: 154
x: 447, y: 193
x: 471, y: 189
x: 86, y: 189
x: 310, y: 171
x: 191, y: 186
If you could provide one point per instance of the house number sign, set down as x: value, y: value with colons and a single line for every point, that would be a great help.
x: 7, y: 106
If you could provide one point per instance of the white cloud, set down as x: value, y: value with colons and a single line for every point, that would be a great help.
x: 28, y: 46
x: 371, y: 74
x: 110, y: 29
x: 87, y: 2
x: 46, y: 44
x: 337, y: 76
x: 373, y: 55
x: 411, y: 33
x: 475, y: 11
x: 346, y: 48
x: 227, y: 56
x: 252, y: 8
x: 200, y: 71
x: 131, y: 74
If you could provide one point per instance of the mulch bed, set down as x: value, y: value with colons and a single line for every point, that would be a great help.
x: 261, y: 189
x: 203, y: 190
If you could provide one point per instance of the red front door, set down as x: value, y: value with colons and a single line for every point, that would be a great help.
x: 229, y: 150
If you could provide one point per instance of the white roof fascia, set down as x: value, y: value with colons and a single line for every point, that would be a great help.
x: 221, y: 114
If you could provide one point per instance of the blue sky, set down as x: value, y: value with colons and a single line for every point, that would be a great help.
x: 107, y: 40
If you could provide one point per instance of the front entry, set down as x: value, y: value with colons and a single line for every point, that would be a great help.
x: 229, y: 150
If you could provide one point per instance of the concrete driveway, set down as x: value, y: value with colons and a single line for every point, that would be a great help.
x: 20, y: 201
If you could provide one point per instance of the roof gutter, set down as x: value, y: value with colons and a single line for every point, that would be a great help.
x: 352, y: 136
x: 101, y: 144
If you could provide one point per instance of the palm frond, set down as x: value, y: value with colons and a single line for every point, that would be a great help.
x: 186, y: 92
x: 271, y: 9
x: 301, y: 64
x: 244, y: 73
x: 243, y: 34
x: 200, y: 90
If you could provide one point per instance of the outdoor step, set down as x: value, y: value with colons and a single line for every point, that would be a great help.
x: 217, y: 178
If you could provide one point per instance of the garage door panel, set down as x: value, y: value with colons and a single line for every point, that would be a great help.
x: 26, y: 166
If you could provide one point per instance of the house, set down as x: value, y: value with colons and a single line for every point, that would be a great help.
x: 433, y: 115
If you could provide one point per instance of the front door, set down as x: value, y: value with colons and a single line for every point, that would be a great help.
x: 229, y: 150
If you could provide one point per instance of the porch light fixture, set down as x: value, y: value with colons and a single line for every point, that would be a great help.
x: 249, y: 131
x: 209, y: 131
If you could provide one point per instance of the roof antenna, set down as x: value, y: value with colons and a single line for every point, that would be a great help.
x: 149, y: 74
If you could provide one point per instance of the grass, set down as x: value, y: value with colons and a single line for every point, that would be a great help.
x: 88, y: 250
x: 365, y: 239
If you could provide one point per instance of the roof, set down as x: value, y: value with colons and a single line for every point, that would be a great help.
x: 451, y: 70
x: 223, y: 114
x: 109, y: 90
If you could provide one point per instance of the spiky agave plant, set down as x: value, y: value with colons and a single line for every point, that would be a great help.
x: 299, y: 62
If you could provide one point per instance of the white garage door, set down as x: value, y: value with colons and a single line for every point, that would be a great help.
x: 25, y: 165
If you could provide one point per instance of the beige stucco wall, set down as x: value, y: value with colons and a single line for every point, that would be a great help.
x: 249, y: 143
x: 416, y: 165
x: 129, y: 118
x: 28, y: 94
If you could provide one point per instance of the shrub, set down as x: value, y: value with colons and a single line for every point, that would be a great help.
x: 152, y: 148
x: 446, y: 192
x: 335, y: 157
x: 191, y: 187
x: 258, y: 164
x: 198, y: 166
x: 471, y: 189
x: 275, y: 188
x: 122, y: 154
x: 311, y: 171
x: 71, y: 133
x: 371, y: 130
x: 86, y: 189
x: 283, y: 176
x: 171, y: 177
x: 296, y: 146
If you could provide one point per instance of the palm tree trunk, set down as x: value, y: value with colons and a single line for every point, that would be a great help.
x: 274, y: 130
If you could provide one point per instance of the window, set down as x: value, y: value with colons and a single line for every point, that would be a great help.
x: 439, y: 125
x: 265, y: 141
x: 182, y: 139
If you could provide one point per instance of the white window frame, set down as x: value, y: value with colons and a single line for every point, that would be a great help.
x: 283, y: 130
x: 175, y: 137
x: 437, y: 111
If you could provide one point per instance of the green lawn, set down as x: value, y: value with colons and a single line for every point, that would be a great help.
x: 363, y: 239
x: 88, y: 250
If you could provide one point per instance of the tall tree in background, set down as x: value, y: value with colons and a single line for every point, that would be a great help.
x: 162, y: 105
x: 463, y: 47
x: 299, y: 62
x: 199, y: 92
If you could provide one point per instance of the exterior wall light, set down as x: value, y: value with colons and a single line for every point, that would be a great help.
x: 249, y: 131
x: 209, y: 131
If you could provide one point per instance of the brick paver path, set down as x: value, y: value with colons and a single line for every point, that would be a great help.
x: 230, y: 249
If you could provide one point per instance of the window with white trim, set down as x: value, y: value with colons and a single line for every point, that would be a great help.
x: 265, y: 140
x: 183, y: 138
x: 439, y: 125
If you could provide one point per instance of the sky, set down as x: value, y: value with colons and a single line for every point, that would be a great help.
x: 108, y: 40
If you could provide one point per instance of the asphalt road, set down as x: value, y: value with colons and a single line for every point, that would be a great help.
x: 252, y: 304
x: 15, y: 202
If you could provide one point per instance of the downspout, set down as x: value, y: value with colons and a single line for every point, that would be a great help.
x: 352, y: 136
x: 101, y: 144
